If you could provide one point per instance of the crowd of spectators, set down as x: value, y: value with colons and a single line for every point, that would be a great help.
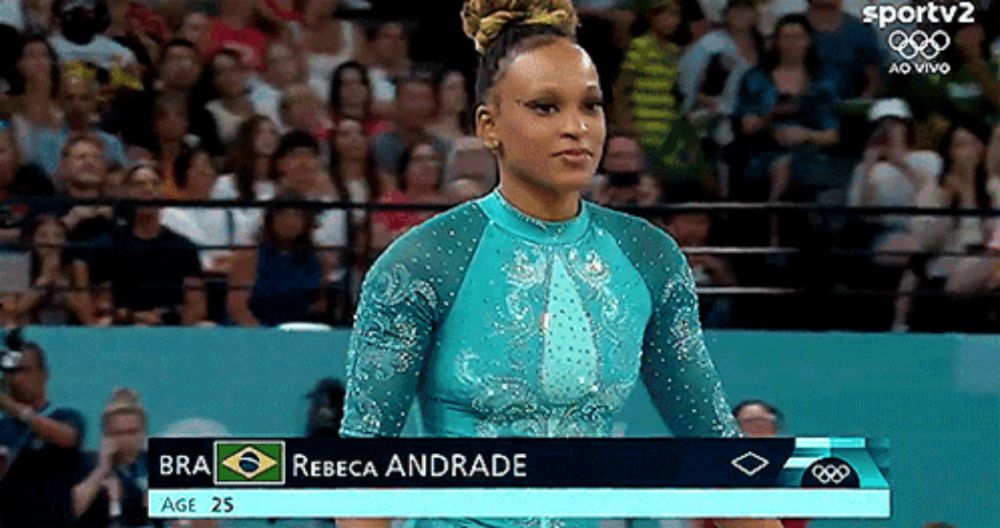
x: 305, y: 104
x: 48, y: 479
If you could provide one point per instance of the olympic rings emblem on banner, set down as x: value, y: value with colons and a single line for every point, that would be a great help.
x: 832, y: 473
x: 910, y: 45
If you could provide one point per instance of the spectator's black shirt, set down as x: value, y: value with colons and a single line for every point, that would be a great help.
x: 36, y: 490
x: 135, y: 484
x: 148, y: 274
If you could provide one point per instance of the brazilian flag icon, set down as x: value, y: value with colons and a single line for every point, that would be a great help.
x: 252, y: 463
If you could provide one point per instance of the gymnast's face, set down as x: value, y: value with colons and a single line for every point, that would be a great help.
x: 546, y: 113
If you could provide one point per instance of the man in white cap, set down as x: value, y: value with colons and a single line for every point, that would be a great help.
x: 891, y: 173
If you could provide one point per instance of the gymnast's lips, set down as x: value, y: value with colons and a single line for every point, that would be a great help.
x: 577, y: 158
x: 575, y: 153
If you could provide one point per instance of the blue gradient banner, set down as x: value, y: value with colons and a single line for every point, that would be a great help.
x: 517, y: 463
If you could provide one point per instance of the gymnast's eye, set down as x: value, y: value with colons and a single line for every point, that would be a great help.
x: 542, y: 107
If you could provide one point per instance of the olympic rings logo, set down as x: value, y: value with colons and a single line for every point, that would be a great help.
x: 910, y: 45
x: 833, y: 473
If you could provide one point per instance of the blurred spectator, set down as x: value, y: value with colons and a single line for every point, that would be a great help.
x: 355, y: 178
x: 993, y: 165
x: 712, y: 67
x: 142, y: 30
x: 84, y: 174
x: 622, y: 180
x: 195, y: 523
x: 453, y: 117
x: 463, y: 189
x: 194, y: 28
x: 390, y: 50
x: 644, y: 95
x: 419, y: 182
x: 281, y: 280
x: 758, y: 419
x: 80, y: 37
x: 303, y: 111
x: 470, y: 160
x: 847, y: 49
x: 250, y: 161
x: 351, y: 97
x: 327, y: 42
x: 786, y: 114
x: 233, y: 29
x: 972, y: 87
x: 605, y: 33
x: 891, y: 174
x: 171, y: 128
x: 180, y: 69
x: 38, y: 16
x: 326, y: 409
x: 279, y: 12
x: 416, y: 106
x: 12, y: 14
x: 16, y: 180
x: 59, y: 293
x: 352, y: 166
x: 36, y: 88
x: 78, y: 99
x: 232, y: 104
x: 694, y: 230
x: 204, y: 226
x: 156, y: 274
x: 90, y: 226
x: 113, y: 483
x: 962, y: 184
x: 39, y: 443
x: 299, y: 169
x: 283, y: 69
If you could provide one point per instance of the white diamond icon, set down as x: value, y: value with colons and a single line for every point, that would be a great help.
x: 749, y: 463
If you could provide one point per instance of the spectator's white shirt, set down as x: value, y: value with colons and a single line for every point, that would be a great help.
x: 225, y: 189
x: 713, y: 10
x: 227, y: 123
x: 383, y: 89
x: 993, y: 189
x: 331, y: 228
x: 995, y: 49
x: 266, y: 100
x: 249, y: 218
x: 322, y: 65
x: 696, y: 59
x: 101, y: 51
x: 892, y: 187
x: 943, y: 233
x: 11, y: 14
x: 331, y: 225
x: 208, y: 227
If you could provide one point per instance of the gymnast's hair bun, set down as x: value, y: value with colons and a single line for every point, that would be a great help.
x: 484, y: 20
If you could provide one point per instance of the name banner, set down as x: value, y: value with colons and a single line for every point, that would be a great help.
x: 504, y: 477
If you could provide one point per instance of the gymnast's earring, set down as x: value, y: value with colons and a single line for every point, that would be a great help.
x: 494, y: 146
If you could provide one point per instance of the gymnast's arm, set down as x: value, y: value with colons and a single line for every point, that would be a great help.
x: 679, y: 373
x: 389, y: 342
x: 676, y: 367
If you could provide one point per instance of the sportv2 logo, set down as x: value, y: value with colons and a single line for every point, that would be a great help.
x: 919, y: 48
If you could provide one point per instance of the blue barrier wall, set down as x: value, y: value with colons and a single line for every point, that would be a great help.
x: 936, y: 397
